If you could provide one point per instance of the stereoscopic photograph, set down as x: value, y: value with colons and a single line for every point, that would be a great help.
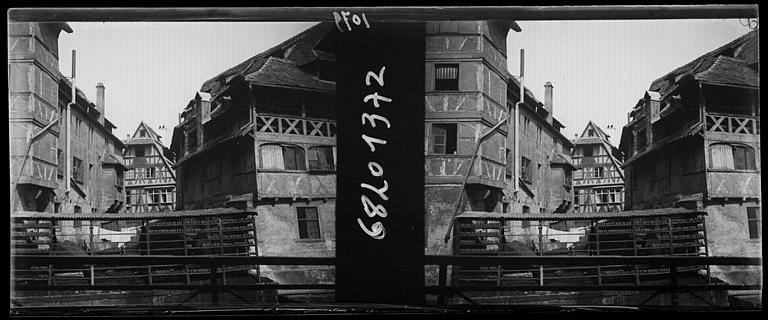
x: 384, y: 161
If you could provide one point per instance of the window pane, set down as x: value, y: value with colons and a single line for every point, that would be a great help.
x: 721, y: 156
x: 752, y: 213
x: 739, y: 158
x: 311, y: 213
x: 271, y: 157
x: 313, y: 229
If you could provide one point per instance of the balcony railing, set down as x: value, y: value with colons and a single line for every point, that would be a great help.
x: 295, y: 126
x: 732, y: 124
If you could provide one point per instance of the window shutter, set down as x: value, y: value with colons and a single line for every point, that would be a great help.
x: 447, y: 72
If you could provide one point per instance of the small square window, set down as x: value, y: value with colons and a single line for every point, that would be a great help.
x: 309, y: 223
x: 447, y: 77
x: 444, y: 138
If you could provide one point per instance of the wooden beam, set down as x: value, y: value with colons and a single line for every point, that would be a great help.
x: 394, y: 14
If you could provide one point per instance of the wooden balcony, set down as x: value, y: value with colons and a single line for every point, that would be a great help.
x: 721, y: 123
x: 446, y: 168
x: 301, y: 126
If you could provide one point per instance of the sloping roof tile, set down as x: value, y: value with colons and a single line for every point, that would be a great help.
x: 281, y: 73
x: 730, y: 71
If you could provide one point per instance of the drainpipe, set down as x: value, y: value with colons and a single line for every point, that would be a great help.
x: 516, y: 178
x: 68, y: 119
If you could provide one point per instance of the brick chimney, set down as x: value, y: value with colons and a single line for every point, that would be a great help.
x: 100, y: 101
x: 548, y: 101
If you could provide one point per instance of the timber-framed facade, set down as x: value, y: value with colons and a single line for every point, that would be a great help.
x: 693, y: 141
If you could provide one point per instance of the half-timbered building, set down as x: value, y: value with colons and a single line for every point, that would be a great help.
x: 693, y: 141
x: 598, y: 182
x: 59, y: 161
x: 150, y: 182
x: 262, y: 135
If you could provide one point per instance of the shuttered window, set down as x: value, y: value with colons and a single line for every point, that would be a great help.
x: 743, y: 158
x: 443, y: 138
x: 447, y: 77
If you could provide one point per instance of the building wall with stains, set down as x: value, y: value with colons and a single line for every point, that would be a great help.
x: 476, y: 50
x: 33, y: 77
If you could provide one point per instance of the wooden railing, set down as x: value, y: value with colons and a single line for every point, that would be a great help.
x: 732, y: 124
x: 295, y: 126
x: 672, y: 265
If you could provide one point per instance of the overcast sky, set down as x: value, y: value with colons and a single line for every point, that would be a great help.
x: 599, y: 69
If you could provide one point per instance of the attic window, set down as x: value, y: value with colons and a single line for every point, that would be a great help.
x: 143, y: 133
x: 591, y: 132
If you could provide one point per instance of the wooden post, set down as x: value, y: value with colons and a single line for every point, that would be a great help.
x: 634, y: 243
x: 541, y: 253
x: 441, y: 281
x: 90, y: 240
x: 214, y: 285
x: 673, y: 272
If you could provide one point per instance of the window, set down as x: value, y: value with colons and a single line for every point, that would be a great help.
x: 754, y: 222
x: 119, y: 181
x: 320, y: 158
x: 591, y: 132
x: 642, y: 139
x: 77, y: 169
x: 281, y: 157
x: 725, y: 156
x: 526, y: 223
x: 597, y: 172
x: 159, y: 195
x: 139, y: 151
x: 447, y: 77
x: 130, y: 174
x: 587, y: 151
x: 151, y: 172
x: 309, y: 223
x: 538, y: 135
x: 294, y: 158
x: 142, y: 133
x: 128, y: 199
x: 192, y: 140
x: 526, y: 172
x: 443, y: 138
x: 60, y: 163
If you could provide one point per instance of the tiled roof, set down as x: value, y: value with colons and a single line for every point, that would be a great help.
x: 298, y: 45
x: 580, y: 215
x: 130, y: 216
x: 730, y: 71
x: 744, y: 48
x: 560, y: 159
x: 281, y: 73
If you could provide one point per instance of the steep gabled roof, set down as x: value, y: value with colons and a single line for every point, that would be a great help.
x: 298, y: 49
x: 744, y: 48
x: 278, y: 72
x: 601, y: 139
x: 151, y: 133
x: 730, y: 71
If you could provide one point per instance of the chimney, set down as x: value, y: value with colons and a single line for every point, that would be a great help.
x: 100, y: 101
x: 548, y: 101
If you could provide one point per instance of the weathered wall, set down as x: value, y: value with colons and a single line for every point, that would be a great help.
x: 656, y: 181
x: 278, y: 235
x: 537, y: 143
x: 728, y: 235
x: 33, y: 103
